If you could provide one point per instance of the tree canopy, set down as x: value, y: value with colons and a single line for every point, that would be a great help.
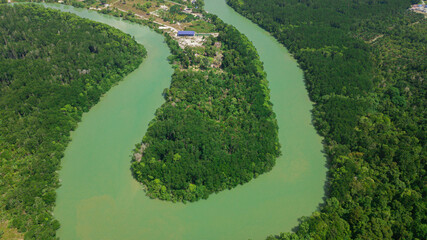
x: 364, y: 64
x: 53, y: 67
x: 216, y: 129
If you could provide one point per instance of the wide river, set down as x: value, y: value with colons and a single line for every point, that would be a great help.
x: 99, y: 199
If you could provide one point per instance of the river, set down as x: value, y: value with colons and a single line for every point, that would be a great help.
x: 99, y: 199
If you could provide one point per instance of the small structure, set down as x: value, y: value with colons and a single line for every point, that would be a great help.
x: 187, y: 10
x: 186, y: 33
x: 419, y: 8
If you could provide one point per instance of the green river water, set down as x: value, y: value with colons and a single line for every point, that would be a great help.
x: 99, y: 199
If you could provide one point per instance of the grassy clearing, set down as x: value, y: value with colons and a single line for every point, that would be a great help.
x: 9, y: 233
x: 200, y: 26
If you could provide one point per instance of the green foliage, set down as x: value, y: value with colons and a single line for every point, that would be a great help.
x: 198, y: 5
x: 216, y: 129
x: 201, y: 26
x: 175, y: 9
x: 365, y: 68
x: 53, y: 67
x: 175, y: 14
x: 144, y: 7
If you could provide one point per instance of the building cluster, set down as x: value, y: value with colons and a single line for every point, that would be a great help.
x: 422, y: 8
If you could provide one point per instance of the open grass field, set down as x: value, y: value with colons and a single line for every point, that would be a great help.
x: 9, y: 233
x: 200, y: 26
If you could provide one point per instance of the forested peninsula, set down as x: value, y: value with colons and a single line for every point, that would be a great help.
x: 53, y: 67
x: 217, y: 128
x: 364, y: 64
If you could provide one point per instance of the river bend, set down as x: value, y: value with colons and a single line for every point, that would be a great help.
x: 99, y: 199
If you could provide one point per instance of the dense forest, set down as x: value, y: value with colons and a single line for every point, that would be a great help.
x: 364, y: 64
x: 53, y: 67
x: 216, y: 129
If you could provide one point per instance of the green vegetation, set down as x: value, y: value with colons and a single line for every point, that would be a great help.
x: 9, y: 233
x: 216, y: 129
x: 143, y: 7
x: 175, y: 14
x: 365, y: 68
x: 201, y: 27
x: 53, y: 67
x: 197, y: 5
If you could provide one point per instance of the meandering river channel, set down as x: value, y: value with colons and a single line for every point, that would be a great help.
x: 99, y: 199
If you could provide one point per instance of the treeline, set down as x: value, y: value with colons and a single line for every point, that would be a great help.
x: 216, y: 129
x: 53, y: 67
x: 364, y: 64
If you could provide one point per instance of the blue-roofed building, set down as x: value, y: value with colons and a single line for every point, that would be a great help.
x: 186, y: 33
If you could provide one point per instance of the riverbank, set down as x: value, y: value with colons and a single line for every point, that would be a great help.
x: 91, y: 204
x: 45, y: 88
x: 222, y: 163
x: 100, y: 200
x: 364, y: 66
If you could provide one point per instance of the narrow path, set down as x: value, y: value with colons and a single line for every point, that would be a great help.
x: 375, y: 38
